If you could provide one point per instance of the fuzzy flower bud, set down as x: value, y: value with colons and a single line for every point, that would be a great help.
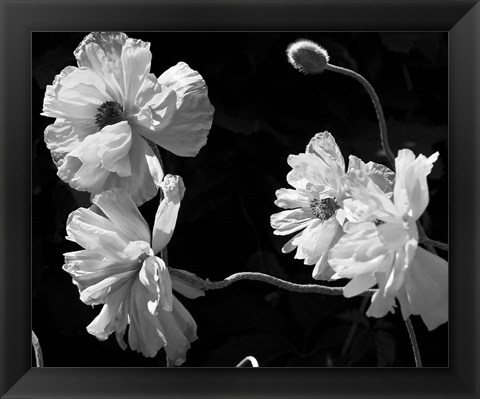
x: 307, y: 56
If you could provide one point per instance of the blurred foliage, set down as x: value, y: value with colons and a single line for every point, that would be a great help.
x: 265, y: 110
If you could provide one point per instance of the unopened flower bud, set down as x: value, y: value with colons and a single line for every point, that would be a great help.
x: 307, y: 56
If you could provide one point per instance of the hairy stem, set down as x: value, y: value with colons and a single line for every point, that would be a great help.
x: 38, y: 350
x: 207, y: 285
x: 376, y: 103
x: 413, y: 341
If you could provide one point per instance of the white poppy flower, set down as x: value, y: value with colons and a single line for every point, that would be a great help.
x: 108, y: 106
x: 380, y: 245
x: 315, y: 205
x: 118, y: 268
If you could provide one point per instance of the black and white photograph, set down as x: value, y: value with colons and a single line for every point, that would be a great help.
x: 240, y: 199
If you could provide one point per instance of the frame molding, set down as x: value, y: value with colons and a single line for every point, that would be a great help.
x: 19, y: 18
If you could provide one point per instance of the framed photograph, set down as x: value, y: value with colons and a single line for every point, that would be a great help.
x: 278, y: 128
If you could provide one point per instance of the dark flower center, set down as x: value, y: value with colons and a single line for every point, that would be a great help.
x: 323, y: 209
x: 109, y: 113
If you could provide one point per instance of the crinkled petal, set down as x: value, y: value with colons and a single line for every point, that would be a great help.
x: 113, y: 146
x: 136, y: 58
x: 89, y: 267
x: 382, y: 303
x: 411, y: 190
x: 101, y: 52
x: 288, y: 199
x: 359, y: 251
x: 110, y: 317
x: 155, y: 277
x: 322, y: 269
x: 359, y: 284
x: 92, y: 231
x: 369, y: 198
x: 166, y: 217
x: 119, y: 207
x: 75, y: 95
x: 145, y: 334
x: 425, y: 290
x: 315, y: 240
x: 180, y: 331
x: 97, y: 293
x: 146, y: 171
x: 324, y: 146
x: 317, y: 172
x: 290, y: 221
x: 382, y: 176
x: 180, y: 118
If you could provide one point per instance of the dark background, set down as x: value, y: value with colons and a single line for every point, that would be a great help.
x: 264, y: 111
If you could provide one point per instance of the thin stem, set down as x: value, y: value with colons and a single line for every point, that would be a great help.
x: 207, y: 285
x: 413, y: 340
x: 38, y: 350
x: 250, y: 359
x: 376, y: 103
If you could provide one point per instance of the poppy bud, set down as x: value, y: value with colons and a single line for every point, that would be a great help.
x: 307, y: 56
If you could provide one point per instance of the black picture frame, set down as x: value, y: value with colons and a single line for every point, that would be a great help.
x: 20, y: 18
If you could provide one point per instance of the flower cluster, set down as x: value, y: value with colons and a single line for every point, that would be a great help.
x: 111, y: 113
x: 360, y: 224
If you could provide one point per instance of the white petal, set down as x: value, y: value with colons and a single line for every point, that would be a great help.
x: 288, y: 199
x: 155, y: 277
x: 324, y: 146
x: 316, y: 171
x: 359, y: 251
x: 290, y: 221
x: 75, y: 95
x: 382, y: 176
x: 166, y: 217
x: 136, y: 58
x: 109, y: 317
x: 113, y: 147
x: 180, y: 330
x: 92, y: 231
x: 315, y: 240
x: 180, y: 118
x: 411, y: 189
x: 98, y: 293
x: 101, y: 52
x: 122, y: 211
x: 381, y: 302
x: 426, y: 289
x: 359, y: 284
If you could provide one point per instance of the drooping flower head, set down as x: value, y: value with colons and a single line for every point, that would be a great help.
x: 315, y: 205
x: 118, y: 269
x: 110, y: 105
x: 380, y: 245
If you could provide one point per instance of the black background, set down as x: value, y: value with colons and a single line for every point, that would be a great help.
x: 264, y: 111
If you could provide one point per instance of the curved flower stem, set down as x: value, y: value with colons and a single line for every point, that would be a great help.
x: 38, y: 350
x: 207, y: 285
x: 413, y: 340
x: 250, y: 359
x: 376, y: 103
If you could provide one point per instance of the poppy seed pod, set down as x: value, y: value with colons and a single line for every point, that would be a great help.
x: 307, y: 56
